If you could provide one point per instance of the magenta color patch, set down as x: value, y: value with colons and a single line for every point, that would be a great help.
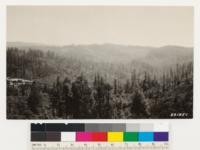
x: 83, y: 136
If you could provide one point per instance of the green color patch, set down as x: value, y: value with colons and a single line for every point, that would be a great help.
x: 130, y: 136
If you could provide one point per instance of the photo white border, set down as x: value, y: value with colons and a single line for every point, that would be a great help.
x: 190, y: 127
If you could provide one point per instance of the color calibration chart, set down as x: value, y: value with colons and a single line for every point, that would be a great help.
x: 99, y: 136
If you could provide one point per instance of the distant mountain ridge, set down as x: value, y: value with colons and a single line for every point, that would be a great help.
x: 113, y: 53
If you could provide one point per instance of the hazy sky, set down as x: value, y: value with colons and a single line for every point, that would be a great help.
x: 127, y: 25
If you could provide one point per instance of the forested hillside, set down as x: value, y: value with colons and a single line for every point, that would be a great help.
x: 100, y: 81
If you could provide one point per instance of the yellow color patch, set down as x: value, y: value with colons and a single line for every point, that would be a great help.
x: 115, y: 136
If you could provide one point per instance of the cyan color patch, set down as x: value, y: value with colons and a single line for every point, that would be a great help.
x: 145, y: 137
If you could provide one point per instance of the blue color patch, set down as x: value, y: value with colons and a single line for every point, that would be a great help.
x: 145, y: 137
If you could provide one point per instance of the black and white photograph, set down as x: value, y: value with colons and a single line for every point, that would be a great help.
x: 99, y: 62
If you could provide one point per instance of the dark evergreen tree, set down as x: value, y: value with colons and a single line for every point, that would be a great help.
x: 67, y: 97
x: 138, y: 105
x: 81, y: 97
x: 38, y: 102
x: 115, y: 86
